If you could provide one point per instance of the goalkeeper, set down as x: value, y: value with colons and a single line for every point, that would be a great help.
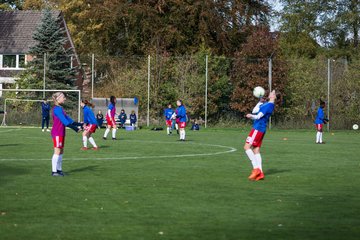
x: 60, y: 121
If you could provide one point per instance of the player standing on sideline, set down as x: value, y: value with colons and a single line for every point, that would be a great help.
x: 181, y: 115
x: 91, y: 125
x: 319, y: 121
x: 60, y: 120
x: 45, y: 113
x: 254, y: 140
x: 168, y: 113
x: 110, y: 119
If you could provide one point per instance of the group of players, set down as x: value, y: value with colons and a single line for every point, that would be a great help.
x: 260, y: 116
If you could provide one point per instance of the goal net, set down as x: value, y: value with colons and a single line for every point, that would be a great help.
x: 23, y: 106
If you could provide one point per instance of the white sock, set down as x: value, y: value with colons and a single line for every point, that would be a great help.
x: 85, y: 141
x: 258, y: 160
x: 317, y: 137
x: 251, y: 156
x: 168, y: 130
x: 92, y: 141
x: 59, y: 163
x: 106, y: 132
x: 177, y: 126
x: 54, y: 162
x: 320, y: 137
x: 184, y: 133
x: 114, y: 133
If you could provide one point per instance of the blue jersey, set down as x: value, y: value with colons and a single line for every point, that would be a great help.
x: 168, y: 113
x: 89, y: 116
x: 320, y: 116
x: 181, y: 113
x: 266, y: 109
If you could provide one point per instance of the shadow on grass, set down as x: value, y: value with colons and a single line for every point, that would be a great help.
x: 83, y: 169
x: 275, y: 171
x: 7, y: 172
x: 9, y: 145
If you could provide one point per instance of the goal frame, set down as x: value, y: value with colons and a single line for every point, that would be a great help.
x: 3, y: 123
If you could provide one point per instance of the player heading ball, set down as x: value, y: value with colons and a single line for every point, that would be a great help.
x: 256, y: 135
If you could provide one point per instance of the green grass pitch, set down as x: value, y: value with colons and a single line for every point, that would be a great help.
x: 148, y: 185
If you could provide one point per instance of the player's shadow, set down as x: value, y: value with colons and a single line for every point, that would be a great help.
x: 275, y: 171
x: 83, y: 169
x: 6, y: 172
x: 9, y: 145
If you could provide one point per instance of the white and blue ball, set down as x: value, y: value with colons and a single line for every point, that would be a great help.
x: 355, y: 127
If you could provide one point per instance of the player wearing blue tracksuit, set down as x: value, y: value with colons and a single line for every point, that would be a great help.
x: 319, y: 121
x: 254, y: 140
x: 133, y: 118
x: 181, y: 119
x: 168, y: 113
x: 45, y: 115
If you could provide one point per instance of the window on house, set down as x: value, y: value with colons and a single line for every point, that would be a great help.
x: 9, y: 61
x: 21, y: 61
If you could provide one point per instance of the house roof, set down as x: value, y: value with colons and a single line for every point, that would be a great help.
x: 17, y: 29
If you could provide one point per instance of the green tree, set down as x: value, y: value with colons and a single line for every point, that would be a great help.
x: 51, y: 41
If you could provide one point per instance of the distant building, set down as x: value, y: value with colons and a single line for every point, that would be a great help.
x: 16, y: 39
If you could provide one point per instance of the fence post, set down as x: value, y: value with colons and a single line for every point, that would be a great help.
x: 44, y: 76
x: 148, y: 103
x: 92, y: 75
x: 328, y: 93
x: 270, y: 83
x: 206, y: 88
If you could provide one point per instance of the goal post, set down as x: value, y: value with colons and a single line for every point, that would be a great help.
x: 8, y: 100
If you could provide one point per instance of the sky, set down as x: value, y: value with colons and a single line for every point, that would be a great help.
x: 277, y: 6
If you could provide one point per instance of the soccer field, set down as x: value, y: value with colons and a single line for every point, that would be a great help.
x: 147, y: 185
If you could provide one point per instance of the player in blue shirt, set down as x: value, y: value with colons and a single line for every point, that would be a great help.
x: 168, y: 113
x: 254, y: 140
x: 91, y: 125
x: 181, y: 116
x: 319, y: 121
x: 45, y: 113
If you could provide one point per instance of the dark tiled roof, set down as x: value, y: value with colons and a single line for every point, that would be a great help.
x: 17, y: 29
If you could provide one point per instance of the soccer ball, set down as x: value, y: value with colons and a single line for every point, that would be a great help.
x: 355, y: 127
x: 259, y: 92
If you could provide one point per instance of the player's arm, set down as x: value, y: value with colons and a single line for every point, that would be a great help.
x: 66, y: 120
x: 256, y: 108
x: 255, y: 116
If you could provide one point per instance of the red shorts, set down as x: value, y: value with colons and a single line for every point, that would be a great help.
x: 110, y: 121
x: 168, y: 123
x: 319, y: 127
x: 91, y: 128
x: 255, y: 138
x: 59, y: 141
x: 182, y: 124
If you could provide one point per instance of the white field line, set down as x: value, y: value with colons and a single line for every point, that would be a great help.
x: 229, y: 150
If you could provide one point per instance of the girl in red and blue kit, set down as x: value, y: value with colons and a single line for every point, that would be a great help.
x: 60, y: 121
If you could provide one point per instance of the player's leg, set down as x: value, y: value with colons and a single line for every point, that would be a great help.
x: 114, y: 128
x: 258, y: 160
x: 107, y: 131
x: 47, y: 120
x: 59, y: 163
x: 251, y: 155
x: 91, y: 139
x: 85, y: 139
x: 42, y: 123
x: 182, y: 126
x: 56, y: 160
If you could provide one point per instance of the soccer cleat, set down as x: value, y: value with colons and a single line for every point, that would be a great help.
x: 113, y: 138
x: 95, y: 148
x: 84, y: 148
x: 261, y: 176
x: 43, y: 130
x: 47, y: 130
x: 254, y: 174
x: 56, y: 174
x: 104, y: 138
x: 61, y: 173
